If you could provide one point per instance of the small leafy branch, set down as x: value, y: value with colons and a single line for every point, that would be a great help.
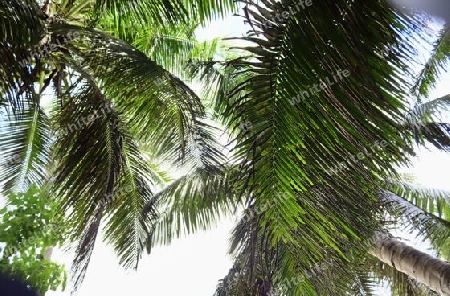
x: 29, y: 227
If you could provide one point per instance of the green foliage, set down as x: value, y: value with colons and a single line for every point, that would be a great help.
x: 31, y: 225
x: 119, y: 95
x: 102, y: 173
x: 292, y: 148
x: 425, y: 122
x: 436, y: 64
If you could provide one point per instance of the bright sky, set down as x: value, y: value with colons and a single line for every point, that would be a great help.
x: 431, y: 164
x: 192, y: 266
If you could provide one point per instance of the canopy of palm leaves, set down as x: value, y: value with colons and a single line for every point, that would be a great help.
x: 108, y: 99
x: 120, y: 105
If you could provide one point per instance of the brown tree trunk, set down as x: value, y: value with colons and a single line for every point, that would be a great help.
x: 434, y: 273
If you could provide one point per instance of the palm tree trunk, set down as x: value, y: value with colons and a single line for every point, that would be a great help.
x: 434, y: 273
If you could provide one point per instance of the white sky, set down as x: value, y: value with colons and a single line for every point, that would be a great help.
x: 190, y: 266
x: 193, y: 265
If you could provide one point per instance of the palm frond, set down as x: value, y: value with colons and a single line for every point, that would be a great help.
x: 142, y: 89
x: 431, y: 200
x: 193, y: 202
x: 436, y: 133
x: 169, y: 12
x: 425, y: 209
x: 423, y: 122
x: 25, y: 147
x: 287, y: 150
x: 435, y: 64
x: 102, y: 175
x: 84, y: 250
x: 89, y: 147
x: 426, y: 111
x: 127, y: 228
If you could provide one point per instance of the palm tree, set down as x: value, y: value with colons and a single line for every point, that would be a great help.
x: 344, y: 65
x: 296, y: 149
x: 113, y: 102
x: 258, y: 262
x: 436, y: 133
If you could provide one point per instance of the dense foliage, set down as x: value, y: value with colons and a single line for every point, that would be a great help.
x: 315, y: 101
x: 29, y: 228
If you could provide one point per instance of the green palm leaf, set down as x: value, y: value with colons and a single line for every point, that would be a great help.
x: 102, y: 175
x: 90, y: 151
x: 426, y: 209
x: 159, y: 109
x: 435, y: 64
x: 25, y: 147
x: 288, y: 150
x: 423, y: 122
x: 425, y: 111
x: 436, y: 133
x: 196, y: 201
x: 127, y: 228
x: 160, y: 12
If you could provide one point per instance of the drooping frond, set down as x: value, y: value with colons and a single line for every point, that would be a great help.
x: 25, y: 147
x: 158, y: 108
x: 423, y: 122
x: 436, y: 133
x: 425, y: 209
x: 84, y: 250
x: 427, y: 111
x: 89, y: 147
x: 168, y: 12
x: 102, y: 175
x: 193, y: 202
x: 127, y: 229
x: 313, y: 108
x: 436, y: 64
